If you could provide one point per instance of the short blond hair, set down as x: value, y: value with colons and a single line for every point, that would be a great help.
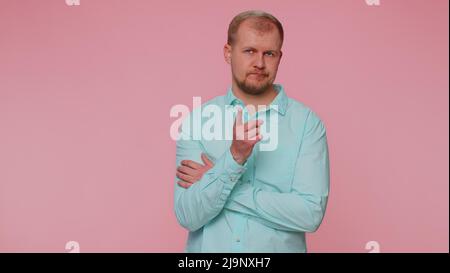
x: 263, y: 22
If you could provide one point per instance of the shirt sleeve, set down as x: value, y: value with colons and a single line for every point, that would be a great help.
x: 205, y: 199
x: 303, y: 208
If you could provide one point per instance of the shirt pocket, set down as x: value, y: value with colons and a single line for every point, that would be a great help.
x: 274, y: 170
x: 215, y: 149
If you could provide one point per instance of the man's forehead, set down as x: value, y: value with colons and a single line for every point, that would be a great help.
x: 265, y: 42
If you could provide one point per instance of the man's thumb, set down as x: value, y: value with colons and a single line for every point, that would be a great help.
x: 206, y: 160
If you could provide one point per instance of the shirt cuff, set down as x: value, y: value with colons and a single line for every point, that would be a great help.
x: 233, y: 169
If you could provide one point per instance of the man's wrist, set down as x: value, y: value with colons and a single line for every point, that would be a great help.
x: 240, y: 160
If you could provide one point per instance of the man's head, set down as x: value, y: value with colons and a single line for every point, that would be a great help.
x: 254, y: 50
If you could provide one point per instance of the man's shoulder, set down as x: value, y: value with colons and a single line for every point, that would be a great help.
x: 298, y: 109
x: 218, y: 100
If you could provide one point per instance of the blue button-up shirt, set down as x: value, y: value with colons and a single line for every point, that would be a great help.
x: 267, y: 204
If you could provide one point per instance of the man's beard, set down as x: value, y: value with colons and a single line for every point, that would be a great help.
x: 252, y: 89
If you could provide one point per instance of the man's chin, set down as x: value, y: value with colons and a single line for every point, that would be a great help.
x: 255, y: 89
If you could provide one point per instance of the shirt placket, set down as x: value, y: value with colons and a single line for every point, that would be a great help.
x: 239, y: 230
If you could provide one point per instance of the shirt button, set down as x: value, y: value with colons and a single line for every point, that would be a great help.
x: 238, y: 240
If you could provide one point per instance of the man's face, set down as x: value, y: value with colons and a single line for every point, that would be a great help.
x: 254, y: 58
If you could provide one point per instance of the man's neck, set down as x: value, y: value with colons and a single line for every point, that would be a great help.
x: 264, y: 98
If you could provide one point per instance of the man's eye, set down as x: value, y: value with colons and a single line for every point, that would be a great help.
x: 270, y: 54
x: 249, y: 51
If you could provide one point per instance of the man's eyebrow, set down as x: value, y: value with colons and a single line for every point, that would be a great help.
x: 249, y: 47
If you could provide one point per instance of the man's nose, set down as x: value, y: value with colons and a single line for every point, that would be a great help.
x: 259, y: 62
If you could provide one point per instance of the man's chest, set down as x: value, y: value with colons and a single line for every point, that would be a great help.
x: 269, y: 169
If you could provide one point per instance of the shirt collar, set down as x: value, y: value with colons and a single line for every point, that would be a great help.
x: 281, y: 100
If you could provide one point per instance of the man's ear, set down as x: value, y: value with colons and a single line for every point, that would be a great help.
x: 227, y: 53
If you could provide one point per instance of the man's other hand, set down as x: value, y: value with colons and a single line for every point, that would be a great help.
x: 190, y: 171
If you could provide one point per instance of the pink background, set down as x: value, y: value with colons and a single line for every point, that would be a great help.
x: 85, y: 94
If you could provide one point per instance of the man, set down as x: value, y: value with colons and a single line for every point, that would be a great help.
x: 233, y: 196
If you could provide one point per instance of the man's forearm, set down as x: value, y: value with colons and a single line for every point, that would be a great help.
x: 283, y: 211
x: 204, y: 200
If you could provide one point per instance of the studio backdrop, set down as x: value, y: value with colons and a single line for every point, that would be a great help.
x: 87, y: 163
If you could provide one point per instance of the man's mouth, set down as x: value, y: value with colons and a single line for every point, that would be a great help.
x: 257, y: 74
